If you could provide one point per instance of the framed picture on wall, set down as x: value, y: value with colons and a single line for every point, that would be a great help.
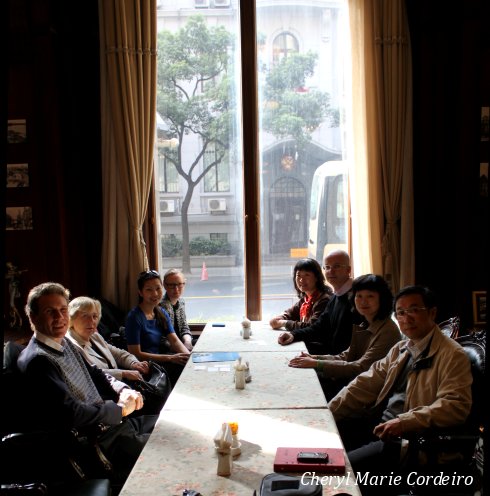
x: 17, y: 175
x: 17, y: 131
x: 18, y: 218
x: 479, y: 307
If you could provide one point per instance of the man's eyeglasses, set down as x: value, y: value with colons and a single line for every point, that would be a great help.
x: 179, y: 285
x: 412, y: 311
x: 334, y: 267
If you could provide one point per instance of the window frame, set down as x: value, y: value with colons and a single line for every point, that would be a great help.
x: 165, y: 164
x: 251, y: 163
x: 216, y: 170
x: 251, y: 169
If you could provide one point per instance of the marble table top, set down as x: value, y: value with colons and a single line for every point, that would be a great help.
x: 209, y: 386
x: 180, y: 453
x: 227, y: 338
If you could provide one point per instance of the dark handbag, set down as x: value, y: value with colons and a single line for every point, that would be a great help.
x: 154, y: 390
x: 288, y: 485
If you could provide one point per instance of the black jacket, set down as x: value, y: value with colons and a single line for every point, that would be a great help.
x: 333, y: 329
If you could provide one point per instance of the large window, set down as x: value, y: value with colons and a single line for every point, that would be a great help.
x: 168, y: 177
x: 218, y: 176
x: 210, y: 138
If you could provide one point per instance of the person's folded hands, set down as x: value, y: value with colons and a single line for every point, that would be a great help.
x: 285, y: 338
x: 130, y: 400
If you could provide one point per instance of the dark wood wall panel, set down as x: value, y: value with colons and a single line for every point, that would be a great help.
x: 53, y: 83
x: 451, y: 83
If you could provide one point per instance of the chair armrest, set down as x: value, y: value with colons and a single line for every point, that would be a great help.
x: 47, y: 456
x: 33, y: 489
x: 442, y: 446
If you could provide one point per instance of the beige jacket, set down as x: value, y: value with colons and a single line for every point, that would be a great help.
x: 438, y: 388
x: 367, y: 345
x: 109, y: 358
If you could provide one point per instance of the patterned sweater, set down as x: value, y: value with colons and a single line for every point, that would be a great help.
x: 177, y: 316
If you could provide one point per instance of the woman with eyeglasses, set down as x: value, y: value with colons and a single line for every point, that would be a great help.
x: 149, y: 328
x: 377, y: 333
x: 313, y: 293
x: 174, y: 284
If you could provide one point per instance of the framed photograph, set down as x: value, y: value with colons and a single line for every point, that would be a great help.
x: 17, y: 131
x: 18, y: 218
x: 479, y: 307
x: 17, y: 175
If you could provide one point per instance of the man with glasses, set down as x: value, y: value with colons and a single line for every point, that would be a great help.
x: 424, y: 382
x: 331, y: 333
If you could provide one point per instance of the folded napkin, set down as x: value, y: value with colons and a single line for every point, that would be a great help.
x: 223, y: 438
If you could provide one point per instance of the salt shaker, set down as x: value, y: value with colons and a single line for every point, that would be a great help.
x: 246, y: 331
x: 248, y: 375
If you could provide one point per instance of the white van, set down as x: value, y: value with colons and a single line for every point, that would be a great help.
x: 329, y: 210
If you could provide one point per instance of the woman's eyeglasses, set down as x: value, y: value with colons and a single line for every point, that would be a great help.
x: 179, y: 285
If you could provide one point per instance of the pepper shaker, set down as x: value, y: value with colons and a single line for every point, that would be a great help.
x: 246, y: 331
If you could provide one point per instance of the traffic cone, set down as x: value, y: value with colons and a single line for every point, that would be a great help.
x: 204, y: 272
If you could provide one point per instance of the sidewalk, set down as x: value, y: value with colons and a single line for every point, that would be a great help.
x: 281, y: 268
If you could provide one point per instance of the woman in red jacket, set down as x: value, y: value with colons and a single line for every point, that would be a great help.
x: 313, y: 292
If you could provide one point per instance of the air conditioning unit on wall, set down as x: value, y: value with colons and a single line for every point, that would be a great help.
x: 221, y: 3
x: 167, y: 206
x: 216, y: 204
x: 201, y: 4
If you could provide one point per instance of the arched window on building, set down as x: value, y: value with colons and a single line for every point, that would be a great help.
x: 283, y: 45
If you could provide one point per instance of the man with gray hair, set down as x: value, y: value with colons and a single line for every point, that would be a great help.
x: 67, y: 393
x: 331, y: 333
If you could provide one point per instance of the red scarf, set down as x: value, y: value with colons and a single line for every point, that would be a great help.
x: 307, y: 305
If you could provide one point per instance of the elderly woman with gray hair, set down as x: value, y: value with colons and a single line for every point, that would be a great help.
x: 85, y: 314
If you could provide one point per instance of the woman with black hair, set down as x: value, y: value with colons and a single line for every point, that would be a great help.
x: 313, y: 293
x: 371, y: 340
x: 148, y: 328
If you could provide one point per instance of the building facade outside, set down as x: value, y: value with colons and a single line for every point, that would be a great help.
x: 215, y: 211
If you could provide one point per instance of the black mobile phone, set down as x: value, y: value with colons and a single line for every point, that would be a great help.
x: 312, y: 457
